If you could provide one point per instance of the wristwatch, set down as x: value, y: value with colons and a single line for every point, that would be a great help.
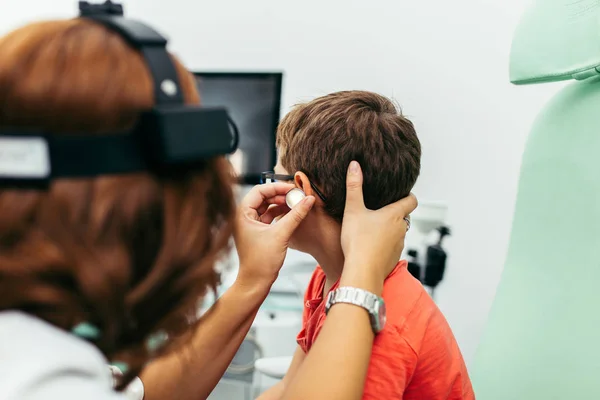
x: 374, y: 304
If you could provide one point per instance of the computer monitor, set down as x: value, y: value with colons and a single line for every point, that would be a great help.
x: 254, y: 102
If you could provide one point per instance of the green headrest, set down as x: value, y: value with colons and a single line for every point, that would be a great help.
x: 556, y: 40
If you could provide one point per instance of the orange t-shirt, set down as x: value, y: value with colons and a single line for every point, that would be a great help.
x: 415, y: 356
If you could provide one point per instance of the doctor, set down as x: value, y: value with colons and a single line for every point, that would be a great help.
x: 104, y: 258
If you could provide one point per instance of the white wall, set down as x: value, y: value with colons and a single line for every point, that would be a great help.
x: 444, y: 61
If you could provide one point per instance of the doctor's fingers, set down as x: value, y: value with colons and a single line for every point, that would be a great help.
x: 260, y: 195
x: 274, y: 211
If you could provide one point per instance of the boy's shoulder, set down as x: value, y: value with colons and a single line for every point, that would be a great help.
x: 411, y: 312
x: 406, y: 300
x: 401, y: 287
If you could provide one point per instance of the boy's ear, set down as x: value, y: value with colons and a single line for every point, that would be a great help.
x: 301, y: 181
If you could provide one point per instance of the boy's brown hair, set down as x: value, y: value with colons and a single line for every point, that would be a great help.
x: 321, y: 137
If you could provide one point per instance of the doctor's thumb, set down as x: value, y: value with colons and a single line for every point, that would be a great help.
x: 354, y: 183
x: 292, y: 220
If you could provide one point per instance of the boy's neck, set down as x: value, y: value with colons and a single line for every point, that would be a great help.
x: 327, y: 250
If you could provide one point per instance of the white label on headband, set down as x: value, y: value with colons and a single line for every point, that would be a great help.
x: 24, y: 157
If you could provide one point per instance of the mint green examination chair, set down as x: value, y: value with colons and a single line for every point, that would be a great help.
x: 542, y: 339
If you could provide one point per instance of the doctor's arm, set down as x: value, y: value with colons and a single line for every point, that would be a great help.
x: 192, y: 373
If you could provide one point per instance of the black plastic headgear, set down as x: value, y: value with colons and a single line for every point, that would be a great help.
x: 170, y: 136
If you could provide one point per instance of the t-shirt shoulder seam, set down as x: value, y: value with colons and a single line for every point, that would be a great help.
x: 398, y: 330
x: 413, y: 307
x: 401, y: 328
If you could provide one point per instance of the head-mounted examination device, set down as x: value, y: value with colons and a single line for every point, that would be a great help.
x: 172, y: 136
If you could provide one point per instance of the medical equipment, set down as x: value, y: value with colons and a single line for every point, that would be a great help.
x: 426, y: 219
x: 413, y: 264
x: 294, y: 196
x: 253, y: 99
x: 435, y: 262
x: 169, y: 138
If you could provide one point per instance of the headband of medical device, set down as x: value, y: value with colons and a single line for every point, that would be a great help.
x: 172, y: 136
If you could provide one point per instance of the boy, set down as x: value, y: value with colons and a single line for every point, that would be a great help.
x: 416, y: 355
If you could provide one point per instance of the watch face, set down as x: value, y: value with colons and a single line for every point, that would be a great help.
x: 382, y: 315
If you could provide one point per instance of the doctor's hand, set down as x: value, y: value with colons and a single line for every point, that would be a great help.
x: 372, y: 241
x: 262, y: 246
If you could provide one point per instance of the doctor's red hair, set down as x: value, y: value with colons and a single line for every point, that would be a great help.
x: 132, y: 254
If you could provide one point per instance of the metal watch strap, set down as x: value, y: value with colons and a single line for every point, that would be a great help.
x: 356, y: 296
